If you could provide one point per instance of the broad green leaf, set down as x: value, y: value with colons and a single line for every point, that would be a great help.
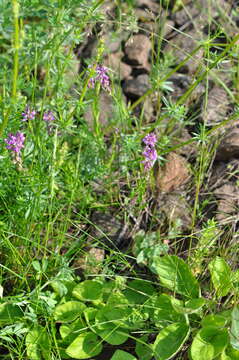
x: 62, y: 287
x: 230, y: 354
x: 112, y: 315
x: 216, y: 320
x: 69, y: 311
x: 88, y: 290
x: 221, y: 276
x: 209, y: 343
x: 234, y: 333
x: 89, y: 314
x: 189, y: 307
x: 10, y: 313
x: 176, y: 275
x: 113, y: 335
x: 170, y: 340
x: 164, y: 313
x: 143, y: 350
x: 84, y: 346
x: 122, y: 355
x: 70, y: 331
x: 138, y: 291
x: 38, y: 344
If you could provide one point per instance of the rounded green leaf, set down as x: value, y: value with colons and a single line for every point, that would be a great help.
x: 189, y: 307
x: 84, y: 346
x: 214, y: 320
x: 170, y: 340
x: 209, y: 343
x: 113, y: 335
x: 230, y: 354
x: 176, y: 275
x: 10, y: 313
x: 221, y: 276
x: 88, y: 290
x: 164, y: 313
x: 38, y: 344
x: 122, y: 355
x: 143, y: 350
x: 234, y: 333
x: 69, y: 311
x: 138, y: 291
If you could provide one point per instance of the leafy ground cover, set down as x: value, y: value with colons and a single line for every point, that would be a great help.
x: 119, y: 179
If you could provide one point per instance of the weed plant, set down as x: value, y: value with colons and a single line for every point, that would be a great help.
x: 173, y: 294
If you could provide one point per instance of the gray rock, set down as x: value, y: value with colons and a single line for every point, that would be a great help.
x: 136, y: 87
x: 113, y: 61
x: 137, y: 51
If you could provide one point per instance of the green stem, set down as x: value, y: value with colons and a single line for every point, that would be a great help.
x: 15, y: 6
x: 16, y: 46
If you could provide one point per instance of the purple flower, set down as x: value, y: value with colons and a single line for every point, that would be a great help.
x: 101, y: 76
x: 48, y: 116
x: 150, y: 139
x: 150, y: 152
x: 15, y: 142
x: 28, y: 114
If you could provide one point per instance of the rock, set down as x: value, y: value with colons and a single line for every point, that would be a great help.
x: 137, y: 51
x: 107, y: 230
x: 91, y: 262
x: 174, y: 174
x: 148, y: 4
x: 181, y: 46
x: 113, y: 61
x: 185, y: 16
x: 177, y: 211
x: 107, y: 112
x: 228, y: 198
x: 229, y: 146
x: 113, y: 41
x: 217, y: 106
x: 135, y: 88
x: 179, y: 84
x: 182, y: 135
x: 167, y: 29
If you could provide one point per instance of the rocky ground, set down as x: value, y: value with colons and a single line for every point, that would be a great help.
x: 131, y: 49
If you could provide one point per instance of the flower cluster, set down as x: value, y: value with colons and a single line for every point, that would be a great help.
x: 150, y: 152
x: 48, y: 117
x: 101, y: 76
x: 15, y: 142
x: 28, y: 114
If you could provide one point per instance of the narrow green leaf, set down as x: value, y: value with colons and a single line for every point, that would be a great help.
x: 176, y: 275
x: 234, y: 334
x: 122, y: 355
x: 221, y: 276
x: 69, y: 311
x: 84, y: 346
x: 170, y: 340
